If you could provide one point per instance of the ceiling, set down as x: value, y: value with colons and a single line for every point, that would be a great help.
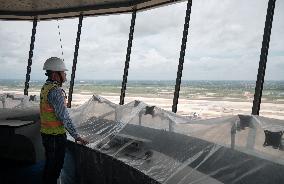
x: 51, y: 9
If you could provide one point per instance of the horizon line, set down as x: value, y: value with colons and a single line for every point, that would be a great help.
x: 151, y: 80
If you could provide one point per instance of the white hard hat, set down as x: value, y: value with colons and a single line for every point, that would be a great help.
x: 54, y: 64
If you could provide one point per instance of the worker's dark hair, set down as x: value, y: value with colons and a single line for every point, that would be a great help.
x: 48, y: 73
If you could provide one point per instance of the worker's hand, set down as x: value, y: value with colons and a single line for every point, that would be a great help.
x: 81, y: 141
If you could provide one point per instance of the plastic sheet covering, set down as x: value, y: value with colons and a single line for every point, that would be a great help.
x: 167, y: 148
x: 16, y: 101
x: 20, y: 140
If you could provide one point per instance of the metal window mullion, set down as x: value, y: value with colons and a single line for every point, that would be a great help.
x: 263, y: 57
x: 27, y: 85
x: 75, y: 61
x: 182, y: 54
x: 128, y: 54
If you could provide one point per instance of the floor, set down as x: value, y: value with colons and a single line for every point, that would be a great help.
x: 14, y: 173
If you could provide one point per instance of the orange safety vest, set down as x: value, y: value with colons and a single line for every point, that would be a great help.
x: 50, y: 124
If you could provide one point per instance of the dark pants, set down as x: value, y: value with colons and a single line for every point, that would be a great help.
x: 54, y: 152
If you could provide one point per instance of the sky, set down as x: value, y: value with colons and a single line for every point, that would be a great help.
x: 224, y: 43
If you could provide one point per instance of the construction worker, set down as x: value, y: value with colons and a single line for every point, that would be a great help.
x: 55, y: 119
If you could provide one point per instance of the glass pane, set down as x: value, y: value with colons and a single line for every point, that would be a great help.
x: 222, y: 58
x: 14, y: 51
x: 155, y: 55
x: 101, y: 57
x: 272, y: 104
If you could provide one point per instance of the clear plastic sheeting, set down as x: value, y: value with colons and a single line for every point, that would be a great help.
x: 20, y: 140
x: 16, y: 101
x: 168, y: 148
x: 19, y: 107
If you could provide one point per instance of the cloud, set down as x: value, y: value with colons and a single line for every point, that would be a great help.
x: 224, y: 42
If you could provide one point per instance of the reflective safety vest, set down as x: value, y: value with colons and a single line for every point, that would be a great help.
x: 50, y: 124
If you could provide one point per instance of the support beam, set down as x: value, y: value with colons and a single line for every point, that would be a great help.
x: 75, y: 61
x: 263, y: 57
x: 30, y: 61
x: 181, y: 57
x: 124, y: 81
